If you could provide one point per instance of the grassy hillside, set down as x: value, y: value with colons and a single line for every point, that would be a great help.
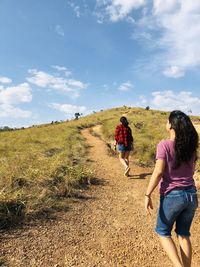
x: 42, y: 166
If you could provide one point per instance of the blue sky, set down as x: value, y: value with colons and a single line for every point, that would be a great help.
x: 62, y: 57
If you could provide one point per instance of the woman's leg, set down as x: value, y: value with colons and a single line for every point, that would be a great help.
x: 122, y: 159
x: 170, y: 249
x: 186, y: 250
x: 127, y: 153
x: 183, y: 224
x: 126, y: 156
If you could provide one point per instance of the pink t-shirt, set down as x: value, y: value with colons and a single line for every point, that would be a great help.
x: 174, y: 178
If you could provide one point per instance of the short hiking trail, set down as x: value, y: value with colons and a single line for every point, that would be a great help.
x: 109, y: 228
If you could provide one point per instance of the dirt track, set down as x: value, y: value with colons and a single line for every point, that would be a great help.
x: 107, y: 229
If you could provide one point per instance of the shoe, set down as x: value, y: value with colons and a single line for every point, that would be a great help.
x: 126, y: 173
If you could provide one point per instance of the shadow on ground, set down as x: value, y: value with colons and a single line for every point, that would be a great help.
x: 98, y: 181
x: 51, y: 213
x: 139, y: 176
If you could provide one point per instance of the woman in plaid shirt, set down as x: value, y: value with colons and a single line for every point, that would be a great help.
x: 124, y: 140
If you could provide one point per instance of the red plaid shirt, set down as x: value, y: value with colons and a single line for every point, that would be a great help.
x: 123, y: 135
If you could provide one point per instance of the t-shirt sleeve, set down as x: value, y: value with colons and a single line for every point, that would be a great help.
x: 161, y: 150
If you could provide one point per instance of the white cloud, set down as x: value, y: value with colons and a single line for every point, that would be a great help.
x: 39, y: 78
x: 59, y: 68
x: 16, y: 94
x: 118, y: 9
x: 13, y: 112
x: 175, y: 30
x: 59, y: 30
x: 68, y: 109
x: 169, y: 100
x: 171, y: 27
x: 12, y: 96
x: 167, y: 6
x: 46, y: 80
x: 174, y: 72
x: 181, y: 36
x: 125, y: 86
x: 62, y: 68
x: 5, y: 80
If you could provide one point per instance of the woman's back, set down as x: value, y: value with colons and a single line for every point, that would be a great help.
x: 174, y: 178
x: 123, y: 135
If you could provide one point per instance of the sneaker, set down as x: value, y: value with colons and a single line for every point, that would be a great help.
x: 126, y: 173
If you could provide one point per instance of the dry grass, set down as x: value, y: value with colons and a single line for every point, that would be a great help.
x: 39, y: 168
x: 43, y: 166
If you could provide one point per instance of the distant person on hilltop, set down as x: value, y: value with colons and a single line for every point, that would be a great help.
x: 124, y: 141
x: 174, y: 169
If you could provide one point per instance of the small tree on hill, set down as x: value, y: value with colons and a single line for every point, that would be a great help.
x: 77, y: 115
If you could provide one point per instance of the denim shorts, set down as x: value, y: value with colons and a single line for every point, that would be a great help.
x: 122, y: 148
x: 176, y: 208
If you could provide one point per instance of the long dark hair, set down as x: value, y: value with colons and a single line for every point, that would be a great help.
x: 186, y: 140
x: 124, y: 121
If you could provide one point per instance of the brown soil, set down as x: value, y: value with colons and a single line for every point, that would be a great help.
x: 109, y: 228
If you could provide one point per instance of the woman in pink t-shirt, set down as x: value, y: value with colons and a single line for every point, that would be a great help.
x: 174, y: 169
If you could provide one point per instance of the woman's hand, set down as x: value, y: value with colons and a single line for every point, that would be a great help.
x: 154, y: 180
x: 148, y: 204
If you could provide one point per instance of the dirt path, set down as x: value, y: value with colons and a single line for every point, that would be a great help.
x: 109, y: 229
